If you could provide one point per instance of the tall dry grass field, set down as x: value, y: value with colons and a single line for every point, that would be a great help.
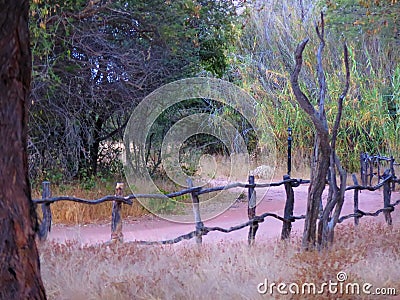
x: 226, y: 270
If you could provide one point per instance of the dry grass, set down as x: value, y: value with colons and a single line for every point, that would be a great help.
x: 225, y: 270
x: 67, y: 212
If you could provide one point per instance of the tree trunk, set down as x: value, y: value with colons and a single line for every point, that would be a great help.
x: 320, y: 163
x: 94, y: 149
x: 19, y: 268
x: 319, y: 171
x: 324, y: 156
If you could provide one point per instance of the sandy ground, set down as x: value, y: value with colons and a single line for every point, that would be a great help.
x: 151, y: 228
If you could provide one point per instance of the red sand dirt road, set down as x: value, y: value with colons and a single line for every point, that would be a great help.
x: 152, y: 228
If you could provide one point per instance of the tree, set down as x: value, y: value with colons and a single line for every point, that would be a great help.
x: 20, y: 268
x: 95, y: 60
x: 325, y: 163
x: 264, y: 61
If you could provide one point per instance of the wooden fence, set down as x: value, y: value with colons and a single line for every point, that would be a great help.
x: 371, y: 167
x: 386, y: 180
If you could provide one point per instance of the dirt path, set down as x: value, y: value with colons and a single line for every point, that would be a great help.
x: 153, y: 228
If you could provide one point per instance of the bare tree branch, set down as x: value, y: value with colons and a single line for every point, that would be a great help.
x: 320, y: 70
x: 302, y: 99
x: 341, y: 97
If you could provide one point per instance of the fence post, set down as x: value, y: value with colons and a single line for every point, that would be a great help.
x: 287, y: 225
x: 196, y: 212
x: 289, y: 151
x: 371, y: 170
x: 379, y: 169
x: 356, y: 192
x: 251, y: 211
x: 45, y: 226
x: 386, y: 201
x: 393, y: 173
x: 116, y: 222
x: 364, y: 168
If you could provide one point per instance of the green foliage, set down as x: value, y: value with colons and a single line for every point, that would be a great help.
x: 264, y: 63
x: 215, y: 38
x: 166, y: 206
x: 87, y: 181
x: 93, y: 61
x: 370, y: 17
x: 55, y: 176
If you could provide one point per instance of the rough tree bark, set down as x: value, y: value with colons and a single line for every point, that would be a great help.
x: 335, y: 201
x: 324, y: 156
x: 19, y: 268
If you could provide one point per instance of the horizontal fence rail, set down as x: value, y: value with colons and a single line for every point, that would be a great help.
x: 387, y: 181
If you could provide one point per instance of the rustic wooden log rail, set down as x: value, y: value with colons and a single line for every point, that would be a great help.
x: 387, y: 181
x: 118, y: 199
x: 367, y: 163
